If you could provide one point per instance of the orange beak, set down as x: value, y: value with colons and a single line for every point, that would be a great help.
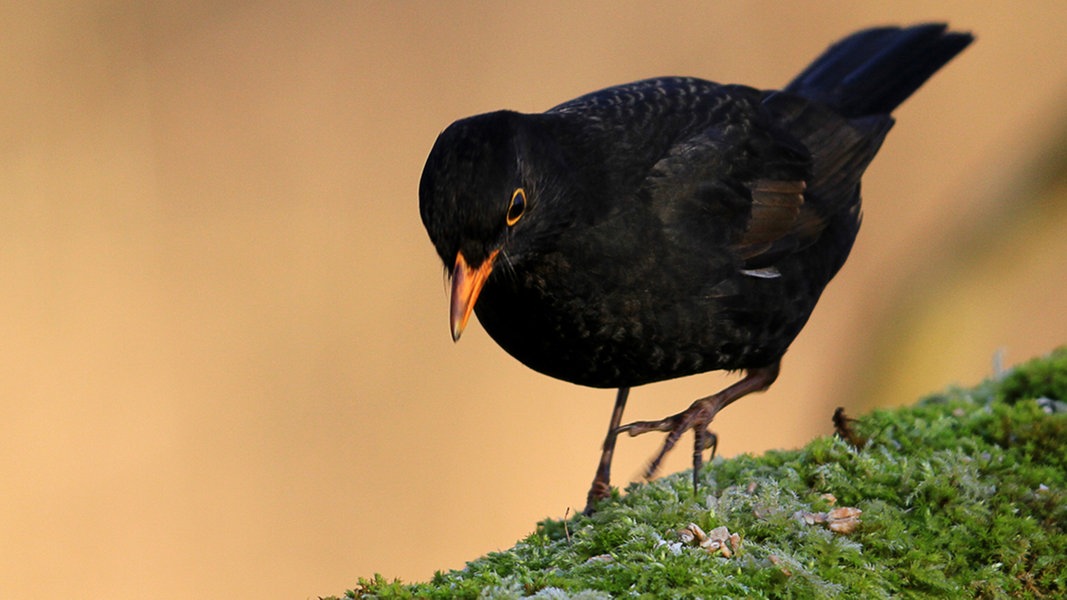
x: 466, y: 285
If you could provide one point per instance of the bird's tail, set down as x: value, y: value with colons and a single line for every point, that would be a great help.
x: 872, y: 71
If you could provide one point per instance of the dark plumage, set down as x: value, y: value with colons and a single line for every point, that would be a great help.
x: 670, y: 226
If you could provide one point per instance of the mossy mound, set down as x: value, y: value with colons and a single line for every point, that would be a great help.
x: 963, y: 495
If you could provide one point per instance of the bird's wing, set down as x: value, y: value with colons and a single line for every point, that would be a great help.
x: 779, y: 222
x: 739, y: 186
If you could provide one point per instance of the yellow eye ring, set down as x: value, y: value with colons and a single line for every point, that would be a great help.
x: 517, y: 206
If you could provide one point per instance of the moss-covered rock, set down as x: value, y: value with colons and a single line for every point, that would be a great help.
x: 963, y: 495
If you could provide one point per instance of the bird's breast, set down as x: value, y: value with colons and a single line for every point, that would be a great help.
x: 602, y: 325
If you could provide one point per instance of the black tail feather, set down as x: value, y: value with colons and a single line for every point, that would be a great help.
x: 872, y: 71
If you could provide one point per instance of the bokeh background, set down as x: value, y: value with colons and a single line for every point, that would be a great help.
x: 225, y: 368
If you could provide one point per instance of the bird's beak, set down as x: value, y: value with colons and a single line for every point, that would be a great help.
x: 467, y: 283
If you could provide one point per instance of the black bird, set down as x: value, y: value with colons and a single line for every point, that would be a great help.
x: 670, y: 226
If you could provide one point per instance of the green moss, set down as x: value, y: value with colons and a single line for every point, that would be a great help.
x: 964, y: 495
x: 1040, y: 379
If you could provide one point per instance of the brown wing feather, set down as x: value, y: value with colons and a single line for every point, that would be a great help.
x: 778, y: 218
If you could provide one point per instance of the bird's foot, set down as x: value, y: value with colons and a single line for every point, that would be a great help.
x: 600, y: 490
x: 697, y: 417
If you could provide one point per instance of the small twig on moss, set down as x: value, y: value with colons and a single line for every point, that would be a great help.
x: 566, y: 530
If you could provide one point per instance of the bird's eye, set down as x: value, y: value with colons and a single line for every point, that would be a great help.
x: 517, y: 207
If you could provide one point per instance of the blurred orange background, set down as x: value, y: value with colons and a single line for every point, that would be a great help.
x: 226, y: 368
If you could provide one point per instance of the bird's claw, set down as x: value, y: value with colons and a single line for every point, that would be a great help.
x: 697, y: 417
x: 642, y: 427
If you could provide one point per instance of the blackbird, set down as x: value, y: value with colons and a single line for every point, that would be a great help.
x: 670, y: 226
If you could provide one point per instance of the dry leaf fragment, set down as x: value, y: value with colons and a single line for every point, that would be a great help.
x: 844, y: 519
x: 691, y: 533
x: 716, y: 541
x: 719, y: 534
x: 778, y: 563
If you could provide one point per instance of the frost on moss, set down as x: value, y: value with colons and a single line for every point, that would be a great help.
x: 963, y: 495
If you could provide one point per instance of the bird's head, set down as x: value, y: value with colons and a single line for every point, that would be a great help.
x: 489, y: 192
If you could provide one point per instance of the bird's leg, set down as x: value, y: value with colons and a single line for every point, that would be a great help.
x: 699, y: 415
x: 601, y: 487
